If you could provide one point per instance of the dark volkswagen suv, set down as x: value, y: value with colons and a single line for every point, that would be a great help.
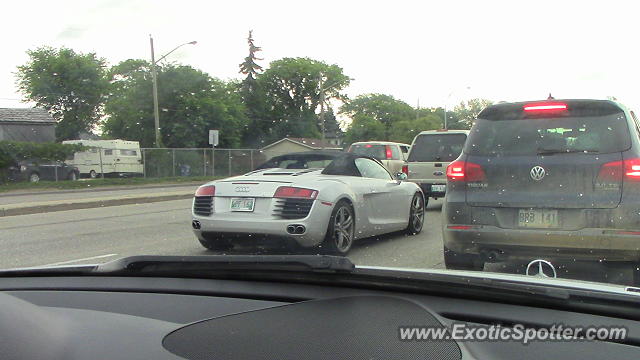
x: 558, y: 179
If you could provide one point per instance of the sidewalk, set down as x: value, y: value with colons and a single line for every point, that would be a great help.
x: 42, y: 202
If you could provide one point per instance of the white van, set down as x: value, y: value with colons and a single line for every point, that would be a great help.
x: 109, y: 157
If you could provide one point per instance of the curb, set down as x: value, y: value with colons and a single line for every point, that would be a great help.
x: 90, y: 204
x: 102, y: 188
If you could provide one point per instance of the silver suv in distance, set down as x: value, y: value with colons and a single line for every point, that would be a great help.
x: 431, y: 152
x: 392, y: 155
x: 557, y: 180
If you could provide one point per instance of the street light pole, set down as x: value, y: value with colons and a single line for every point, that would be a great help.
x: 445, y: 110
x: 154, y: 79
x: 447, y: 103
x: 322, y: 110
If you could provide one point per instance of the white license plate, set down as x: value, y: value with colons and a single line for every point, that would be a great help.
x: 540, y: 218
x: 242, y: 204
x: 438, y: 188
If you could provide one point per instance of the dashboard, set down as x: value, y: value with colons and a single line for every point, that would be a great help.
x: 100, y: 317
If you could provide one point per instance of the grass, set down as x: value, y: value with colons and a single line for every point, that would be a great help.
x: 95, y: 183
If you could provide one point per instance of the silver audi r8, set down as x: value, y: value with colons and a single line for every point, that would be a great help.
x: 354, y: 197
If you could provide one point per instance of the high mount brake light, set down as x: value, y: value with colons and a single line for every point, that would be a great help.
x: 290, y: 192
x: 545, y: 107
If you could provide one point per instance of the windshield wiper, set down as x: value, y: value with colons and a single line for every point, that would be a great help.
x: 543, y: 151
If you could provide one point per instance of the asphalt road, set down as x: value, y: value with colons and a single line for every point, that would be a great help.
x: 101, y: 234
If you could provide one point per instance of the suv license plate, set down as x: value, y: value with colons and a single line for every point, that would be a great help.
x: 242, y: 204
x: 438, y: 188
x: 538, y: 218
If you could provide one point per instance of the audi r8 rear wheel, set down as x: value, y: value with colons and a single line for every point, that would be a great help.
x: 416, y: 214
x: 341, y: 229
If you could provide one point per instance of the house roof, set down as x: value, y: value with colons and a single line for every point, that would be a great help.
x: 314, y: 144
x: 30, y: 115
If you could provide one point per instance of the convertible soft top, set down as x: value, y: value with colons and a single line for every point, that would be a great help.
x: 301, y: 156
x: 345, y: 165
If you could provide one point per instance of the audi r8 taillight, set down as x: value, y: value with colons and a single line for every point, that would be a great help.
x: 206, y: 190
x: 290, y: 192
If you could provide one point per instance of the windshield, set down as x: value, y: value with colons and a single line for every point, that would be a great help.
x: 377, y: 151
x: 599, y: 135
x: 477, y: 136
x: 432, y: 148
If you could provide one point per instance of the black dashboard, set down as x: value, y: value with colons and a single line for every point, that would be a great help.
x: 172, y: 318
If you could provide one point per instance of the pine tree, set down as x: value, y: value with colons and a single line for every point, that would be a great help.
x: 249, y: 67
x: 253, y: 98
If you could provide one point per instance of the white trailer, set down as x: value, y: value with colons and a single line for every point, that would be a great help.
x: 109, y: 157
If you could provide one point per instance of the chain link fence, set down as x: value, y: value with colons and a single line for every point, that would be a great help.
x: 160, y: 162
x: 100, y: 162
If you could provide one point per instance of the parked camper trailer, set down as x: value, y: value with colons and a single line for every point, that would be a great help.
x: 119, y: 158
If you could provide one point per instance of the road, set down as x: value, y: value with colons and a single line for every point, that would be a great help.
x: 101, y: 234
x: 163, y: 228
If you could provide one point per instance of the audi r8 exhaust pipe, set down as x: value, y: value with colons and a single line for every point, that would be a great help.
x: 196, y: 224
x: 296, y: 229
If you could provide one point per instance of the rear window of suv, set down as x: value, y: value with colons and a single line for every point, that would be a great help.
x: 376, y: 151
x: 549, y: 135
x: 437, y: 147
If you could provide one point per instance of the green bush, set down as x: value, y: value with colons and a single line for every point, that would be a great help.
x: 12, y: 151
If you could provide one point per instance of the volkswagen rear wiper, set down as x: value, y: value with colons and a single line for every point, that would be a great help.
x: 543, y: 151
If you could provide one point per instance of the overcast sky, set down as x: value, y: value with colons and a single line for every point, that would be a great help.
x: 502, y: 50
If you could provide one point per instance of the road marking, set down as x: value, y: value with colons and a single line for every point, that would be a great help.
x: 84, y: 259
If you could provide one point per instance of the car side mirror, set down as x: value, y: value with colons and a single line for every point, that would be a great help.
x: 401, y: 176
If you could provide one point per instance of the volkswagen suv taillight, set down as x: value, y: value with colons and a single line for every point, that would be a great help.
x: 465, y: 171
x: 627, y: 170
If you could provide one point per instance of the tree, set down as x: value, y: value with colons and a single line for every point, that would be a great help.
x: 252, y: 94
x: 292, y: 89
x: 405, y: 130
x: 249, y: 67
x: 364, y: 128
x: 70, y: 85
x: 467, y: 112
x: 191, y: 103
x: 331, y: 126
x: 383, y: 108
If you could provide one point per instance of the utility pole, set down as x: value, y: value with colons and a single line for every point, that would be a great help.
x: 322, y: 109
x: 154, y: 78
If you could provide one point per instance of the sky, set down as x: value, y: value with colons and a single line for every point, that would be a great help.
x: 434, y: 52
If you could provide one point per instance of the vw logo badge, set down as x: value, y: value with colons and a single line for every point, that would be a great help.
x: 541, y: 268
x: 537, y: 173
